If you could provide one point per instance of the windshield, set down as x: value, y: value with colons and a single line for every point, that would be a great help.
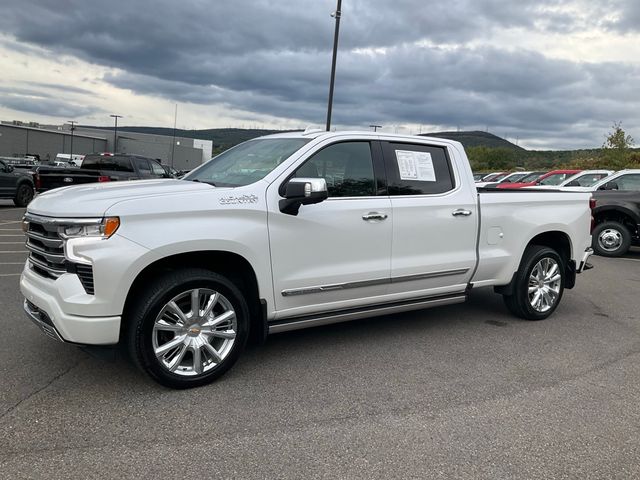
x: 589, y: 179
x: 246, y: 163
x: 514, y: 177
x: 532, y: 177
x: 555, y: 179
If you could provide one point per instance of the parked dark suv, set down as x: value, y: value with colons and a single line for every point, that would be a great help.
x: 15, y: 184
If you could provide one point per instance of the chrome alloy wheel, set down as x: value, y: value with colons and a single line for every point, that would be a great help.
x: 610, y: 240
x: 544, y: 284
x: 194, y: 332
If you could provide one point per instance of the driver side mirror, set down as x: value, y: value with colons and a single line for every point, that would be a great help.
x: 303, y: 191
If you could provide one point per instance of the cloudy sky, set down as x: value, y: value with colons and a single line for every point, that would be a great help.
x: 545, y: 73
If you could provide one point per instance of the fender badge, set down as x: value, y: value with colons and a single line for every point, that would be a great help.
x: 231, y: 200
x: 67, y: 179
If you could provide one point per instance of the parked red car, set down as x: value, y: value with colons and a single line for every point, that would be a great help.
x: 554, y: 177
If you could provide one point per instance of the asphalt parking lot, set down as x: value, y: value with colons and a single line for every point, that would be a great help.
x: 464, y: 391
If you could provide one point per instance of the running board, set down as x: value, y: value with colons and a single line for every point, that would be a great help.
x: 337, y: 316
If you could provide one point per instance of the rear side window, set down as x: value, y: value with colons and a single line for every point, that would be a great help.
x: 417, y: 169
x: 115, y: 163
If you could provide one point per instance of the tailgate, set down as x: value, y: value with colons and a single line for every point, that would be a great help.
x: 64, y: 177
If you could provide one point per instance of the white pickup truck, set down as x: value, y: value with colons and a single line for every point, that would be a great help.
x: 285, y: 232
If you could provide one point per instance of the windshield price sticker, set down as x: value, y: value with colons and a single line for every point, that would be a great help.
x: 415, y: 166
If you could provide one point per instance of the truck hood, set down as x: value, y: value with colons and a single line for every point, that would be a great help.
x: 94, y: 199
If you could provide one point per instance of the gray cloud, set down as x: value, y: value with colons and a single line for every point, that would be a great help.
x: 272, y: 58
x: 38, y: 102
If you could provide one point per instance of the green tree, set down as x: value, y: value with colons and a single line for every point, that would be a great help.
x: 617, y: 148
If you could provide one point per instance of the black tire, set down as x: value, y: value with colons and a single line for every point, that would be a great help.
x: 142, y: 315
x: 519, y: 302
x: 24, y: 194
x: 611, y: 239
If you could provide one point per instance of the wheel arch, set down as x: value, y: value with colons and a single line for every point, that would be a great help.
x: 558, y: 241
x: 231, y: 265
x: 618, y: 214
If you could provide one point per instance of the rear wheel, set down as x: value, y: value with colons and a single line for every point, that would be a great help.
x: 188, y: 328
x: 611, y: 239
x: 538, y: 284
x: 24, y: 194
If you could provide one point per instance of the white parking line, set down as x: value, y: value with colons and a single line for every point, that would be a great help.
x: 9, y: 222
x: 10, y: 274
x: 10, y: 235
x: 15, y: 251
x: 11, y: 243
x: 10, y: 229
x: 11, y: 263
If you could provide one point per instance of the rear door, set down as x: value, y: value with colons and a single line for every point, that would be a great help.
x: 435, y: 221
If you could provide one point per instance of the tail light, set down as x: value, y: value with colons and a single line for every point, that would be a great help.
x: 592, y: 206
x: 37, y: 181
x: 104, y: 178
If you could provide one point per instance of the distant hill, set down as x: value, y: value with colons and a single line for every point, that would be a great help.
x: 222, y: 138
x: 476, y: 139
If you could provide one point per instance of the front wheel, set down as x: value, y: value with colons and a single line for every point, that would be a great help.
x: 611, y: 239
x: 538, y: 284
x: 188, y: 328
x: 24, y: 194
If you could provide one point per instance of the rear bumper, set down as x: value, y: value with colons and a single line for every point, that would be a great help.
x: 583, y: 265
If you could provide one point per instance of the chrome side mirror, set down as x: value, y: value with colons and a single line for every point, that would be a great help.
x: 303, y: 191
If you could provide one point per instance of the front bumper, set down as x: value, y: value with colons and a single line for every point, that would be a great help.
x: 43, y: 307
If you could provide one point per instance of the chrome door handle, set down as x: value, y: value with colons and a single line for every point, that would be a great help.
x: 374, y: 216
x: 461, y: 212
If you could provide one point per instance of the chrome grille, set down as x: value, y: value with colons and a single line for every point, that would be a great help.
x: 46, y: 249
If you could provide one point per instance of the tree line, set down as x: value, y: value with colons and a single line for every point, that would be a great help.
x: 617, y: 153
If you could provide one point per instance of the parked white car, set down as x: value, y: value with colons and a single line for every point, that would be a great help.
x: 585, y: 178
x: 512, y: 177
x: 285, y: 232
x: 628, y: 179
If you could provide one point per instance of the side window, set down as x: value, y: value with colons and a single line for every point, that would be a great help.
x: 114, y: 164
x: 157, y: 168
x: 417, y: 169
x: 347, y: 167
x: 143, y: 166
x: 629, y: 182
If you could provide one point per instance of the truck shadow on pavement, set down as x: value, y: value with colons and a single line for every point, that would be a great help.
x: 319, y: 348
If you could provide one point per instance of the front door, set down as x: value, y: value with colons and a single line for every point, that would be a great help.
x: 335, y: 254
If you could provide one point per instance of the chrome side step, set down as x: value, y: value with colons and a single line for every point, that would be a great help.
x: 337, y: 316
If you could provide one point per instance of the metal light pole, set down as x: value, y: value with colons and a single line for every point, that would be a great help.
x: 337, y: 14
x: 173, y: 141
x: 115, y: 133
x: 72, y: 122
x: 375, y: 127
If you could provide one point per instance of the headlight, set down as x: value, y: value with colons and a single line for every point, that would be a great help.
x: 103, y: 228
